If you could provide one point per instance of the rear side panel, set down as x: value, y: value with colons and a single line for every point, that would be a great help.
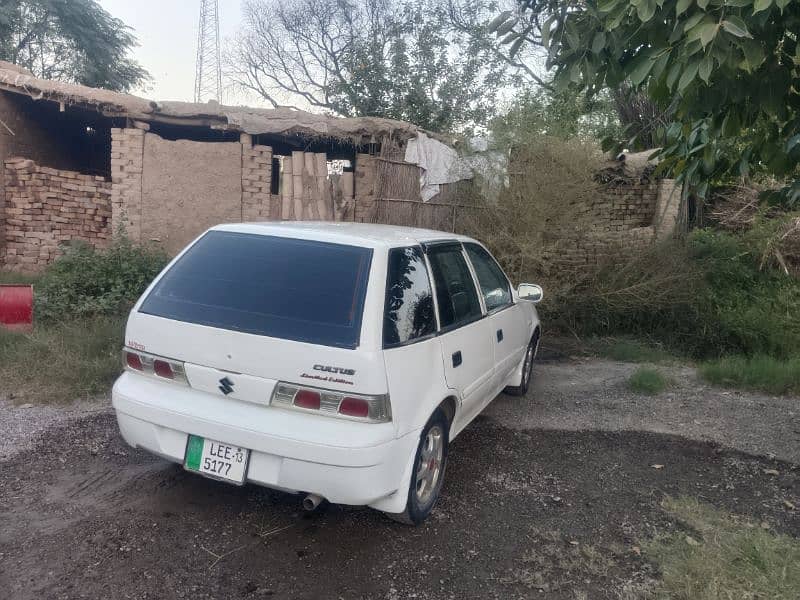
x: 416, y: 382
x: 209, y: 352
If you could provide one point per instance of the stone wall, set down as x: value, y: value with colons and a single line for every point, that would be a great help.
x: 46, y: 208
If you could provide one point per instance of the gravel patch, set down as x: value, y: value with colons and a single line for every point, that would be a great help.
x: 20, y: 424
x: 592, y: 395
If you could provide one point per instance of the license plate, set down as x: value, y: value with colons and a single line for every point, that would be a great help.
x: 216, y: 459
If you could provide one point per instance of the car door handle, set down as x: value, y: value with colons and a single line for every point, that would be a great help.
x: 499, y: 335
x: 457, y: 360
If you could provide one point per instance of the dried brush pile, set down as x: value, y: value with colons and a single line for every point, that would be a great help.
x: 784, y: 247
x: 740, y: 209
x: 735, y: 208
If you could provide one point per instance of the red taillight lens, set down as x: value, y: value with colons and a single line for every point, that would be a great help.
x: 354, y: 407
x: 163, y: 369
x: 307, y: 399
x: 134, y: 361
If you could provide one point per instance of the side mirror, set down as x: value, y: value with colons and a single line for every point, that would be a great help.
x: 530, y: 292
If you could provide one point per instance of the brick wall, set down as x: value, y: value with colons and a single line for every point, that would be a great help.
x: 623, y: 218
x: 257, y: 203
x: 127, y: 158
x: 46, y: 208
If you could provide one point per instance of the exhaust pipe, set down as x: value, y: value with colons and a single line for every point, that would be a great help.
x: 312, y: 502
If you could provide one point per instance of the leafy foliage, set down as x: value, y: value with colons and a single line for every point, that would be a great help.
x: 373, y: 58
x: 728, y: 71
x: 708, y: 297
x: 87, y: 282
x: 563, y: 115
x: 75, y: 41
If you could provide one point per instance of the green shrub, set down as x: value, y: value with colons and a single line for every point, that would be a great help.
x: 86, y: 282
x: 647, y: 381
x: 760, y: 372
x: 708, y: 296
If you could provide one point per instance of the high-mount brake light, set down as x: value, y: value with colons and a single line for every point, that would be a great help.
x: 155, y: 366
x: 330, y: 403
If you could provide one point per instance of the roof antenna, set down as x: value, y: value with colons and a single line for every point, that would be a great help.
x: 208, y: 76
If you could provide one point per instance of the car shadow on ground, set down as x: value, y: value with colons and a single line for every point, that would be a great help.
x: 521, y: 512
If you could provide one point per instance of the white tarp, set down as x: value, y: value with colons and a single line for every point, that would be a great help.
x: 439, y: 163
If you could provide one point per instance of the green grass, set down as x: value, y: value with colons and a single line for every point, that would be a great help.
x: 647, y: 381
x: 723, y: 558
x: 61, y: 362
x: 11, y: 277
x: 626, y: 349
x: 763, y: 373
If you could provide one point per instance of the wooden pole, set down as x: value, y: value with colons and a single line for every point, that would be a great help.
x: 287, y: 206
x: 298, y: 166
x: 323, y: 194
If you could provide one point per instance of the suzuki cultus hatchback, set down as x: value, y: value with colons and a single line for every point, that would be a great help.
x: 337, y: 360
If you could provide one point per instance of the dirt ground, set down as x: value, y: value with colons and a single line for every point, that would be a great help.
x: 549, y: 496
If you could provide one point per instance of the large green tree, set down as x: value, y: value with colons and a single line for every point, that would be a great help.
x: 402, y: 60
x: 726, y: 71
x: 69, y: 40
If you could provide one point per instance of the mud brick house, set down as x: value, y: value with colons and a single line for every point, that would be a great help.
x: 80, y: 163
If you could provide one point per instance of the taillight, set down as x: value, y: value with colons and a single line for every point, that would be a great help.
x: 307, y: 399
x: 157, y: 366
x: 354, y: 407
x: 133, y: 361
x: 330, y: 403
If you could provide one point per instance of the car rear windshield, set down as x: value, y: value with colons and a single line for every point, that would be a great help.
x: 286, y: 288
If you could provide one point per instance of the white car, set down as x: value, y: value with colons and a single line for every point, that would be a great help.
x: 333, y: 359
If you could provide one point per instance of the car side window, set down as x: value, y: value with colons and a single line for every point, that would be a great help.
x: 455, y: 289
x: 408, y: 311
x: 494, y: 284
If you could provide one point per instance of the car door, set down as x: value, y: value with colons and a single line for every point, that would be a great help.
x: 464, y: 333
x: 510, y: 328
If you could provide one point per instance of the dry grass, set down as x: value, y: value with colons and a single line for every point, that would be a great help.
x: 61, y: 362
x: 724, y: 558
x: 550, y: 180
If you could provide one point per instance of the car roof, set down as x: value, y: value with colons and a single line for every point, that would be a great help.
x: 369, y: 235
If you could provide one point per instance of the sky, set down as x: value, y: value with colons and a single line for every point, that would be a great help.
x: 167, y: 34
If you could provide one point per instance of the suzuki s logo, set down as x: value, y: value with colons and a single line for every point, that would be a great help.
x: 225, y: 386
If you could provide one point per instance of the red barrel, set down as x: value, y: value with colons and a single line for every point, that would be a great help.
x: 16, y: 307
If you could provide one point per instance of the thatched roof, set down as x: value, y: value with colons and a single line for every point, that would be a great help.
x: 282, y: 121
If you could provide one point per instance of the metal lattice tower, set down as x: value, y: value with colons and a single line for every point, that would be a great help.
x: 208, y: 78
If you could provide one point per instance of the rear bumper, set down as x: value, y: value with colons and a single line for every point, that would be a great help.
x: 343, y: 461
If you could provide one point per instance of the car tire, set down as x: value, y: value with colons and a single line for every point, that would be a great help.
x: 426, y: 480
x: 527, y: 370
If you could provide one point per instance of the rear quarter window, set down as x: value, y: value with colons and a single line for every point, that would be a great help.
x: 408, y: 311
x: 286, y: 288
